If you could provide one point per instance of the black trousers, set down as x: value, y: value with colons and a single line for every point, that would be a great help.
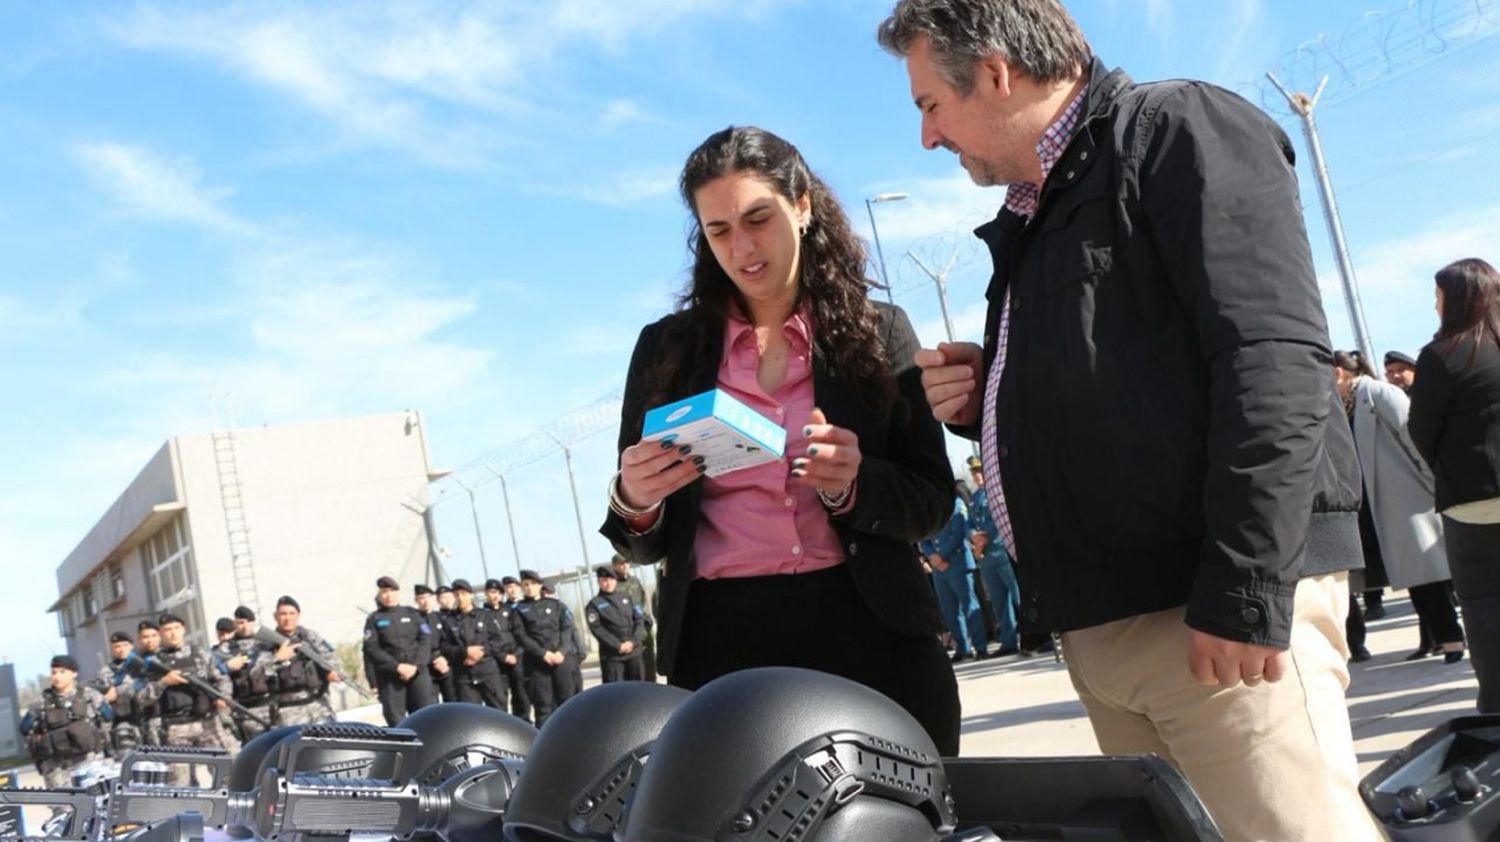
x: 1354, y: 625
x: 445, y: 687
x: 1474, y: 558
x: 1437, y: 620
x: 515, y: 679
x: 549, y: 686
x: 485, y: 688
x: 398, y: 698
x: 621, y: 669
x: 815, y: 621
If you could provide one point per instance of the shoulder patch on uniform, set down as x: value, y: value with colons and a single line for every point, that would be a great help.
x: 593, y: 616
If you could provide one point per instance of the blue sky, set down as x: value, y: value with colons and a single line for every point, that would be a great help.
x: 468, y: 209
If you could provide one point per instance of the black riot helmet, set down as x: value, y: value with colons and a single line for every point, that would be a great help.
x: 778, y: 753
x: 461, y: 735
x: 583, y: 768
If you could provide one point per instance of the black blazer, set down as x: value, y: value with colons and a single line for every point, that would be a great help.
x: 905, y: 489
x: 1455, y: 420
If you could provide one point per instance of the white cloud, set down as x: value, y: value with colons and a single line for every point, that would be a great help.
x: 629, y: 187
x: 1405, y: 264
x: 389, y: 73
x: 620, y: 112
x: 935, y: 206
x: 156, y: 187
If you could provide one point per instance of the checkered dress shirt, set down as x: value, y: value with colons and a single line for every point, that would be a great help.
x: 1020, y: 199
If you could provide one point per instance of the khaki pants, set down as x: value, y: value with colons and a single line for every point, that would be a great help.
x: 1272, y: 763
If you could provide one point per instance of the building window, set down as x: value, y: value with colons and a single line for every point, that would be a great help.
x: 168, y: 560
x: 116, y: 583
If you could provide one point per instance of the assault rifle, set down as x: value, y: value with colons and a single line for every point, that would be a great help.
x: 157, y: 670
x: 275, y: 638
x: 300, y: 795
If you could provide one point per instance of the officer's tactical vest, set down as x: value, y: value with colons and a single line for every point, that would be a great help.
x: 66, y: 728
x: 183, y: 701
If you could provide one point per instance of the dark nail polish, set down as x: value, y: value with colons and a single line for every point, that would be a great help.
x: 812, y: 451
x: 702, y: 468
x: 798, y: 472
x: 799, y: 463
x: 685, y: 449
x: 697, y: 460
x: 807, y: 431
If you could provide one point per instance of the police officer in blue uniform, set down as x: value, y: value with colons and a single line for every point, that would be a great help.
x: 544, y: 628
x: 620, y: 627
x: 398, y: 644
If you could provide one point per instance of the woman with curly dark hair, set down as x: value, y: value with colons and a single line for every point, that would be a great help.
x: 806, y: 561
x: 1455, y: 424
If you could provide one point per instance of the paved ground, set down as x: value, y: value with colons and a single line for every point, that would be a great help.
x: 1026, y: 708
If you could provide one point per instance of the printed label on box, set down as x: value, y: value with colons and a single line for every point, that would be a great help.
x: 726, y: 433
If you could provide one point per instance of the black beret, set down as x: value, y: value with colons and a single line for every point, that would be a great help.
x: 146, y: 624
x: 64, y: 661
x: 168, y: 619
x: 462, y: 585
x: 120, y: 637
x: 244, y: 613
x: 387, y: 582
x: 493, y: 585
x: 510, y: 580
x: 604, y: 571
x: 530, y: 574
x: 420, y: 589
x: 442, y: 589
x: 224, y: 624
x: 1398, y: 357
x: 286, y: 600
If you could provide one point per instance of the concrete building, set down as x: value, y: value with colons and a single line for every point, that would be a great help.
x: 317, y: 510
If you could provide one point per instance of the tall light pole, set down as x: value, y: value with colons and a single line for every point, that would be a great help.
x: 870, y: 204
x: 940, y: 281
x: 1302, y: 105
x: 577, y: 509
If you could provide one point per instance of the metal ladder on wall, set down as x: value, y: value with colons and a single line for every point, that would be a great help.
x: 231, y: 493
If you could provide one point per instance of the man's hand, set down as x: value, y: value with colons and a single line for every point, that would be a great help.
x: 221, y: 705
x: 174, y: 679
x: 979, y: 540
x: 1215, y: 660
x: 473, y: 655
x: 236, y: 663
x: 510, y: 660
x: 440, y: 664
x: 333, y: 678
x: 950, y: 377
x: 110, y: 695
x: 405, y: 671
x: 553, y: 658
x: 627, y: 647
x: 936, y: 562
x: 287, y: 651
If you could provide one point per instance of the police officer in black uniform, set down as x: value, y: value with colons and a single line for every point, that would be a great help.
x: 515, y: 674
x: 64, y: 726
x: 438, y: 670
x: 398, y: 644
x: 250, y: 663
x: 544, y: 628
x: 474, y: 642
x: 620, y: 627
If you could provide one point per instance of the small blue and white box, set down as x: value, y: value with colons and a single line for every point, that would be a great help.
x: 726, y: 433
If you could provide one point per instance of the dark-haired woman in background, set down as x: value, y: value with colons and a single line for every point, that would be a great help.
x: 805, y: 562
x: 1455, y: 423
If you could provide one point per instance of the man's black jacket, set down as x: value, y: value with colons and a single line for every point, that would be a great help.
x: 614, y: 618
x: 394, y: 636
x: 475, y: 628
x: 1167, y: 429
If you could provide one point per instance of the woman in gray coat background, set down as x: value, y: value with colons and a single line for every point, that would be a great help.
x: 1399, y: 504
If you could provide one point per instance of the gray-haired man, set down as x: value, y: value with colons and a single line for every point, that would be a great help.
x: 1189, y: 532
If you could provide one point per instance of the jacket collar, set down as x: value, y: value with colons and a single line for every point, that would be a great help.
x: 1104, y: 89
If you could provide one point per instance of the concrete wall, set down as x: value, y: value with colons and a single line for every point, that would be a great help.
x: 322, y: 502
